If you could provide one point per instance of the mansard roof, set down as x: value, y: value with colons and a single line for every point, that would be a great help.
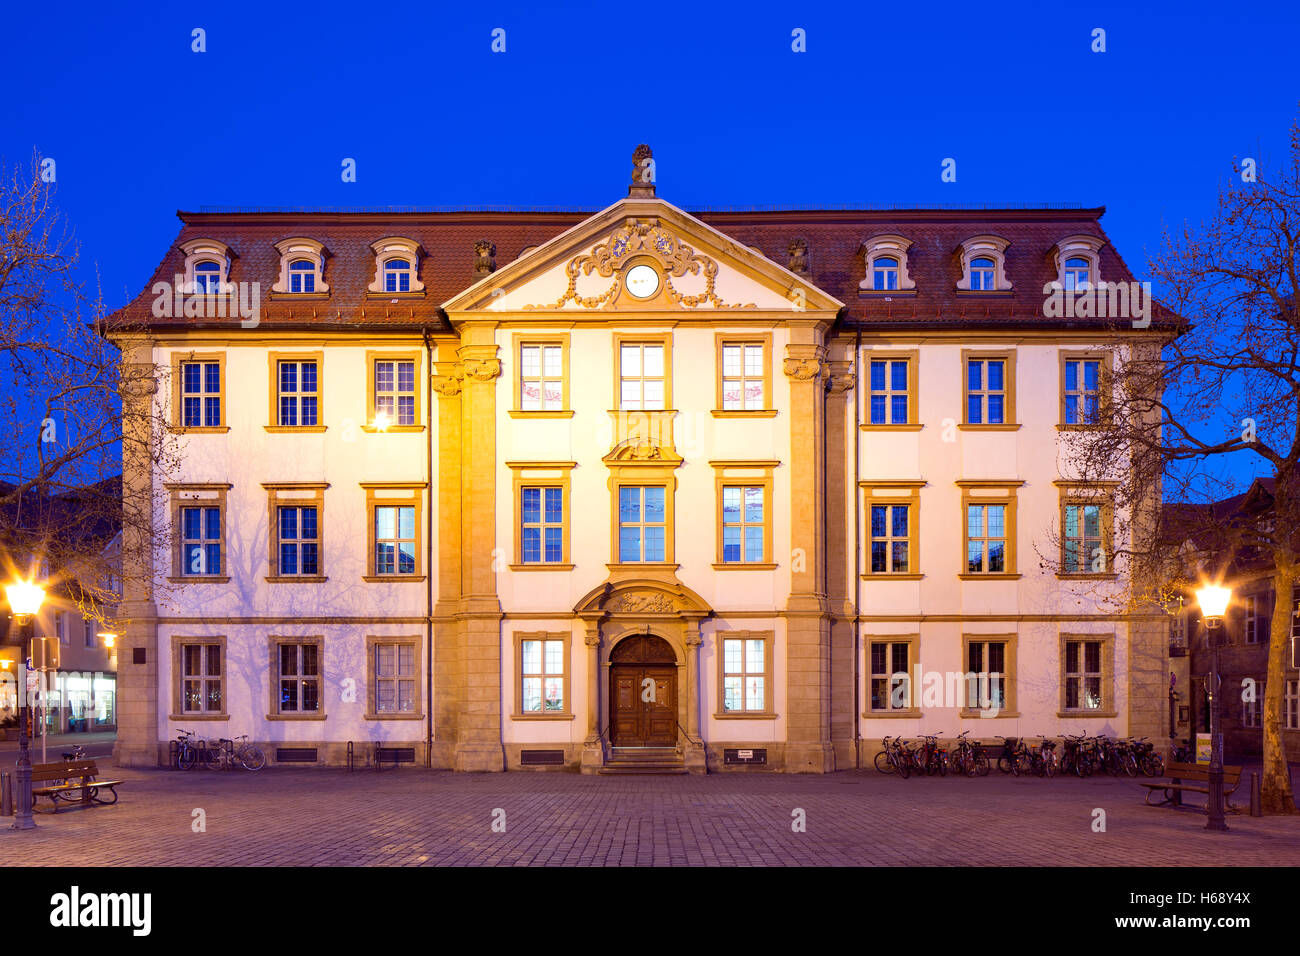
x: 833, y: 237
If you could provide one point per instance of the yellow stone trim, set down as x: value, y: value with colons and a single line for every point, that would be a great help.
x: 178, y: 414
x: 995, y: 492
x: 273, y: 360
x: 1008, y: 357
x: 522, y: 479
x: 894, y: 492
x: 764, y: 340
x: 769, y: 691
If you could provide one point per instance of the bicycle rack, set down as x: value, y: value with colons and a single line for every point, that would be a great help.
x: 350, y: 752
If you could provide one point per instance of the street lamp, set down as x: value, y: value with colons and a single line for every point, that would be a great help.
x: 108, y: 637
x: 25, y: 598
x: 1214, y: 604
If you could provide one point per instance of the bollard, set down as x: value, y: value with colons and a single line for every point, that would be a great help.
x: 6, y: 797
x: 1255, y: 809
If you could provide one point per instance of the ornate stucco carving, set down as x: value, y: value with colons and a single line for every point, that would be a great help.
x: 798, y: 251
x: 481, y: 370
x: 643, y: 601
x: 803, y: 369
x: 484, y: 262
x: 447, y: 386
x: 641, y: 238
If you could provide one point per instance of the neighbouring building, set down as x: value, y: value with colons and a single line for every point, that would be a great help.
x: 1247, y: 628
x: 628, y: 488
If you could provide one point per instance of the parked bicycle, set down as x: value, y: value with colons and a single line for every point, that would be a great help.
x: 227, y: 753
x: 187, y: 750
x: 969, y: 758
x: 78, y: 752
x: 1015, y: 758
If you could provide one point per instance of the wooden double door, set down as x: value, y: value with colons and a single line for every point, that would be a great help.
x: 643, y: 693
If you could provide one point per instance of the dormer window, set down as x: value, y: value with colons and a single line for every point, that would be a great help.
x: 207, y: 266
x: 397, y: 275
x: 207, y: 277
x: 884, y: 274
x: 983, y: 265
x: 1077, y: 261
x: 302, y: 276
x: 1075, y: 275
x: 886, y: 264
x: 397, y: 267
x: 302, y: 267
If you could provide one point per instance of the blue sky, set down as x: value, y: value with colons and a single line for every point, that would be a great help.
x: 139, y: 125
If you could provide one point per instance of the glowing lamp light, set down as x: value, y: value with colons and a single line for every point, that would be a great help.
x: 381, y: 422
x: 25, y: 598
x: 108, y: 637
x: 1214, y: 601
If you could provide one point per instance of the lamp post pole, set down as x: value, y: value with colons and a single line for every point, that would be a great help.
x: 23, y: 771
x: 1213, y: 626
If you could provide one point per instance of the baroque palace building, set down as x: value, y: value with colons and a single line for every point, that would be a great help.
x: 624, y: 490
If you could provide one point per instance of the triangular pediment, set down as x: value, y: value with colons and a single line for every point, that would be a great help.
x: 693, y: 269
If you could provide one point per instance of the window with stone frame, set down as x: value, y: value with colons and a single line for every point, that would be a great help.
x: 889, y: 676
x: 202, y: 678
x: 1083, y: 675
x: 395, y: 679
x: 298, y: 677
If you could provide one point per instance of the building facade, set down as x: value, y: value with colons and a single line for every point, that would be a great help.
x: 627, y: 489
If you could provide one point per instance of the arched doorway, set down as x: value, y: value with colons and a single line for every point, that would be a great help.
x: 643, y: 692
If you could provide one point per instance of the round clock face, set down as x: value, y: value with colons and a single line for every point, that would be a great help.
x: 642, y: 281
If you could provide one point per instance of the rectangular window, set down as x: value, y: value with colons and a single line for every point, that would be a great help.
x: 986, y: 391
x: 541, y: 529
x: 1082, y: 391
x: 298, y: 394
x: 394, y: 394
x: 541, y: 674
x: 90, y: 633
x: 541, y: 376
x: 890, y: 391
x: 395, y: 539
x: 395, y: 678
x: 744, y: 376
x: 891, y: 539
x: 1252, y: 711
x: 200, y: 394
x: 986, y: 539
x: 200, y: 541
x: 1082, y: 541
x: 743, y: 526
x: 202, y: 679
x: 890, y: 679
x: 299, y: 541
x: 1258, y: 623
x: 987, y: 675
x: 642, y: 523
x: 299, y: 678
x: 744, y: 675
x: 642, y: 375
x: 1083, y: 675
x: 1291, y: 706
x: 61, y: 628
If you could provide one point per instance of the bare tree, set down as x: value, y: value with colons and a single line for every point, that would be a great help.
x: 61, y: 436
x: 1223, y: 386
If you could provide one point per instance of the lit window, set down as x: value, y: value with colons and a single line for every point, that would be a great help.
x: 542, y: 677
x: 395, y: 678
x: 1083, y: 539
x: 395, y: 539
x: 889, y: 678
x: 641, y: 376
x: 986, y: 539
x: 744, y: 675
x: 1075, y: 274
x: 541, y: 377
x: 395, y: 391
x: 201, y: 679
x: 743, y: 374
x: 302, y: 276
x: 986, y: 675
x: 299, y: 678
x: 1083, y: 675
x: 397, y: 275
x: 642, y: 523
x: 1291, y: 705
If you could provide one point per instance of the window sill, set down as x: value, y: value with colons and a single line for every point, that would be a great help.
x: 540, y: 413
x: 392, y: 716
x: 979, y: 293
x: 199, y: 579
x: 887, y: 576
x: 750, y: 715
x: 910, y: 713
x: 181, y: 717
x: 541, y: 567
x: 391, y: 429
x: 1087, y: 713
x: 744, y: 413
x: 643, y: 566
x: 1088, y: 577
x: 744, y: 566
x: 295, y: 716
x: 299, y: 296
x: 1005, y: 427
x: 909, y: 427
x: 990, y: 576
x: 395, y: 295
x: 198, y: 429
x: 1083, y: 428
x: 392, y: 578
x: 967, y: 713
x: 297, y: 578
x: 291, y: 429
x: 886, y: 293
x: 542, y: 716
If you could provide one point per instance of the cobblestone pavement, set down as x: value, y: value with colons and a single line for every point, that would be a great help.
x: 412, y: 817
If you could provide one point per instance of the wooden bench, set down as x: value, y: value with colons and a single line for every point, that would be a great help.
x: 55, y: 780
x: 1183, y: 778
